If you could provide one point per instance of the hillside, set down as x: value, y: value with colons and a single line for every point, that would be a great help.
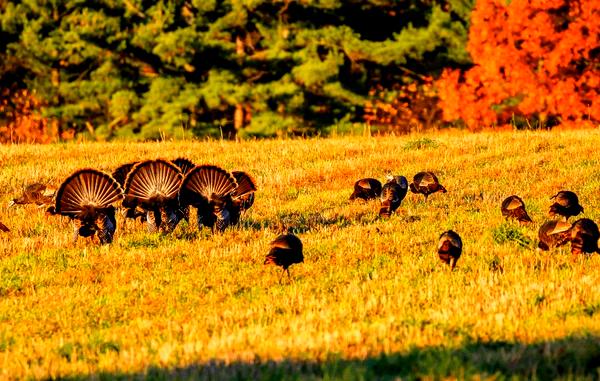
x: 371, y: 298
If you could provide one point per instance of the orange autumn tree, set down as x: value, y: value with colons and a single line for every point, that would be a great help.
x: 537, y: 59
x: 406, y: 107
x: 20, y: 118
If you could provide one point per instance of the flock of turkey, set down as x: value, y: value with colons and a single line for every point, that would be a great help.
x: 160, y: 193
x: 583, y: 233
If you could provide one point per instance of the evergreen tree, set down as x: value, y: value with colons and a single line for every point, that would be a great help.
x: 121, y: 68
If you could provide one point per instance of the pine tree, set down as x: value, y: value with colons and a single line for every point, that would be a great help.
x: 132, y: 68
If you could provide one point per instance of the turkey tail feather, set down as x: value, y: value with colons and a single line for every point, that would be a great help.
x: 153, y: 181
x: 209, y: 180
x: 120, y: 174
x: 184, y: 164
x: 87, y: 188
x: 246, y: 184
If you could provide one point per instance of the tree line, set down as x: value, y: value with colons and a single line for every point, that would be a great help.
x: 173, y: 68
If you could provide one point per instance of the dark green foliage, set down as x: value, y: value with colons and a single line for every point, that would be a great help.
x: 508, y: 232
x: 119, y: 69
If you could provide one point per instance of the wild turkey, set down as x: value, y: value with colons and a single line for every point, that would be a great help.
x: 87, y: 197
x: 514, y: 207
x: 584, y: 236
x: 566, y: 204
x: 4, y: 228
x: 366, y: 189
x: 35, y: 193
x: 153, y: 185
x: 285, y: 251
x: 185, y: 165
x: 209, y: 189
x: 426, y: 183
x: 120, y: 175
x: 450, y: 247
x: 243, y: 197
x: 553, y: 234
x: 392, y: 194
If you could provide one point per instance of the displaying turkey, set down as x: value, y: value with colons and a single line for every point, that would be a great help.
x: 566, y: 204
x: 426, y: 183
x: 4, y: 228
x: 392, y: 194
x: 184, y: 164
x: 120, y: 175
x: 153, y: 185
x: 209, y: 189
x: 366, y: 189
x: 553, y: 234
x: 285, y: 251
x: 35, y: 193
x: 243, y: 196
x: 514, y: 207
x: 584, y: 236
x: 450, y: 247
x: 87, y: 197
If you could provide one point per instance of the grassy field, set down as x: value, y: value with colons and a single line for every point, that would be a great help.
x: 371, y: 299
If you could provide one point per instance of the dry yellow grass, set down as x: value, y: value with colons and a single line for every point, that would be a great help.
x: 371, y: 299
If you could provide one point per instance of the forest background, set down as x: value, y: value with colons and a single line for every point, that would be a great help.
x: 134, y: 69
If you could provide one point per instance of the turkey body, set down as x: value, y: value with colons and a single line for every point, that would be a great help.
x: 392, y: 194
x: 584, y: 236
x: 209, y: 189
x: 566, y: 204
x: 553, y: 234
x: 366, y: 189
x: 36, y: 193
x: 285, y: 251
x: 426, y: 183
x: 243, y: 196
x: 449, y: 248
x: 120, y: 175
x: 87, y: 197
x: 514, y: 207
x: 185, y: 165
x: 153, y: 186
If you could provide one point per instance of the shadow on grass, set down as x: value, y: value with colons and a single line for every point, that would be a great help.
x: 574, y: 357
x: 301, y: 222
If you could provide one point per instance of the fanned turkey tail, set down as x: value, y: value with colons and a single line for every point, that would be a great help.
x: 87, y: 197
x: 243, y: 197
x: 209, y: 189
x: 153, y: 185
x: 184, y: 164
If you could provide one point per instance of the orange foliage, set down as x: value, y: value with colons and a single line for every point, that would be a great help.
x: 21, y: 121
x: 533, y: 58
x: 408, y: 107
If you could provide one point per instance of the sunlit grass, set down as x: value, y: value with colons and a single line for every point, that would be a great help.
x: 186, y: 303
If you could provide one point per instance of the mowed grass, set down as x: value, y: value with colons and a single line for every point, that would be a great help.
x: 371, y: 299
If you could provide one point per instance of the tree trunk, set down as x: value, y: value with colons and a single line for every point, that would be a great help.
x: 238, y: 117
x: 238, y: 114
